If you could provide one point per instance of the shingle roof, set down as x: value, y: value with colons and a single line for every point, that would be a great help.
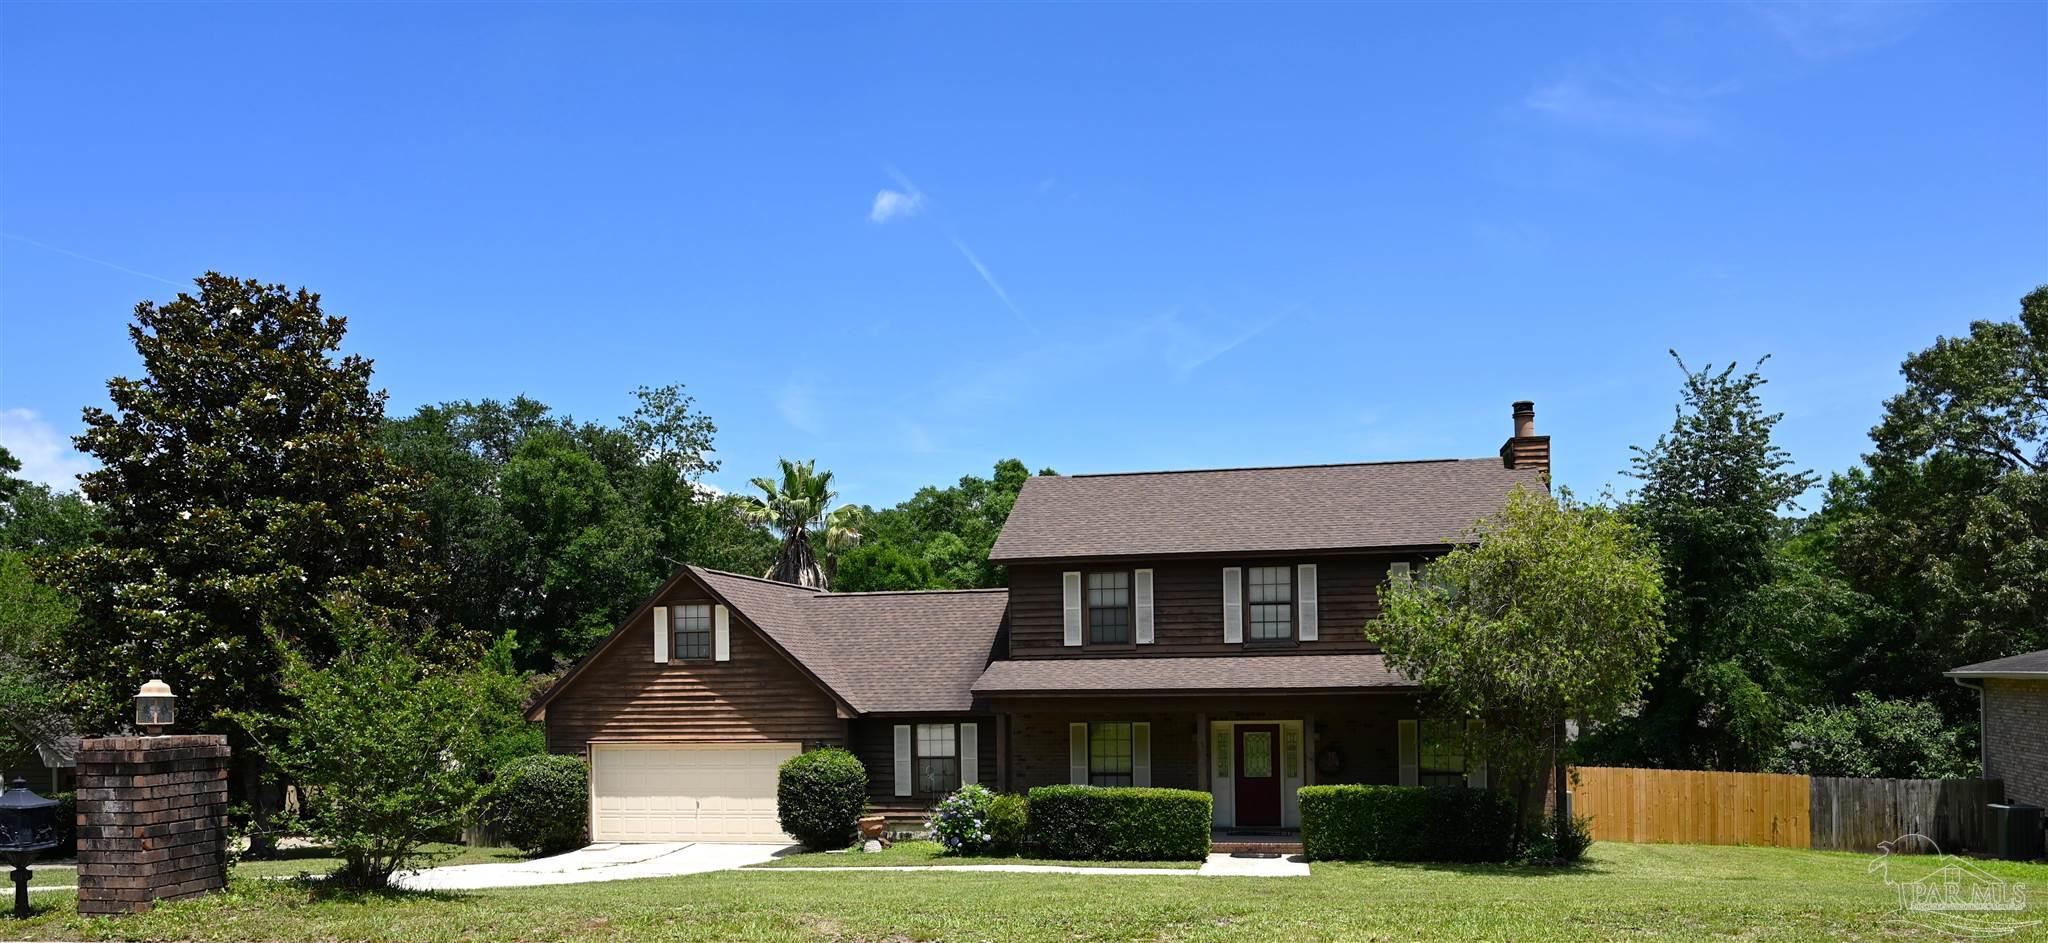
x: 2020, y: 666
x: 1187, y: 675
x: 1256, y: 510
x: 880, y: 652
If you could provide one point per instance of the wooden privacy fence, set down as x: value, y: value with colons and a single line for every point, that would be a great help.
x: 1779, y: 809
x: 1672, y: 805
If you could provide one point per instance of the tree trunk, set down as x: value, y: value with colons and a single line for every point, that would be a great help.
x: 1562, y: 818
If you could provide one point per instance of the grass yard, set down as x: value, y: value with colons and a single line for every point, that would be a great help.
x: 914, y: 853
x: 294, y: 862
x: 1625, y: 892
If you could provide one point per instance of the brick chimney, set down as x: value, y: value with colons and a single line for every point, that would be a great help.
x: 1526, y: 449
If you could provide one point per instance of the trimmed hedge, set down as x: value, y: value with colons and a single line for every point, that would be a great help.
x: 1009, y: 819
x: 538, y: 803
x: 819, y: 796
x: 1407, y: 823
x: 1090, y: 823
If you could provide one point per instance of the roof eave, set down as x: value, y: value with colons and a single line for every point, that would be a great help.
x: 1340, y: 551
x: 2000, y: 675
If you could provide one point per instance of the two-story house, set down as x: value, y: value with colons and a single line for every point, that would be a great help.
x: 1197, y: 629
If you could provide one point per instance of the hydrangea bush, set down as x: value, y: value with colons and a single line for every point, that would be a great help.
x: 960, y: 821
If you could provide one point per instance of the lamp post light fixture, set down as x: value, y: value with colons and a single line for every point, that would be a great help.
x: 28, y: 824
x: 155, y: 706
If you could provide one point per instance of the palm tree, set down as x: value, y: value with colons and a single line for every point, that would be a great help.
x: 795, y: 505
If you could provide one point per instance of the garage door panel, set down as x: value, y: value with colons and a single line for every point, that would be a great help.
x: 686, y: 792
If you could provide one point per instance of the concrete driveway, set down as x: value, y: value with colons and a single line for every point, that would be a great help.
x: 602, y: 862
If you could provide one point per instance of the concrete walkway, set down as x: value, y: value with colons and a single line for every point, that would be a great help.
x: 1217, y: 865
x: 603, y: 862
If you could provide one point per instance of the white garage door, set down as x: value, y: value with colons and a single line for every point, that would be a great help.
x: 685, y: 792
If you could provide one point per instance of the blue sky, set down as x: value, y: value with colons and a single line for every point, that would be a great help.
x: 909, y: 241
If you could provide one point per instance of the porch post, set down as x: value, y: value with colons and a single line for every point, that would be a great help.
x: 1002, y: 753
x: 1202, y: 752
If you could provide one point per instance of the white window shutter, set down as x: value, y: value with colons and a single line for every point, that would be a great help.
x: 903, y: 782
x: 1141, y: 754
x: 1398, y: 571
x: 721, y: 634
x: 1077, y: 754
x: 1411, y: 753
x: 1305, y: 583
x: 970, y: 755
x: 1141, y: 587
x: 1475, y: 761
x: 1070, y: 591
x: 1233, y: 604
x: 661, y: 635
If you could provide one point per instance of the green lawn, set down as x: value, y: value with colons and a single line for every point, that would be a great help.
x: 1622, y: 892
x: 909, y: 853
x: 293, y: 862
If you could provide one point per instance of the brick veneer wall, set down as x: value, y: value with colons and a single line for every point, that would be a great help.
x: 2016, y: 737
x: 152, y: 821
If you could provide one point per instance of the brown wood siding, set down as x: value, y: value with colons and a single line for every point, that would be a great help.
x: 1361, y: 727
x: 1188, y: 607
x: 757, y: 697
x: 873, y: 739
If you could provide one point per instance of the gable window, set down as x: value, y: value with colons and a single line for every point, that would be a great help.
x: 1109, y: 608
x: 1109, y: 755
x: 1440, y: 754
x: 692, y: 630
x: 938, y: 758
x: 1270, y: 592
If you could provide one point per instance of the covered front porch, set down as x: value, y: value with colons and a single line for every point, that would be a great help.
x: 1252, y: 752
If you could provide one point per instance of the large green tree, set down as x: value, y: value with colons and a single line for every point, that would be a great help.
x: 554, y: 529
x: 241, y: 483
x: 1555, y: 613
x: 1712, y: 490
x: 1947, y: 530
x: 939, y: 538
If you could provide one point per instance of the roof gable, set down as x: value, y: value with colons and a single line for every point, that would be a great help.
x: 1381, y: 505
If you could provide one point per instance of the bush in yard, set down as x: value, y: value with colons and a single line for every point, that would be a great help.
x: 1407, y: 823
x: 1090, y: 823
x: 960, y: 821
x: 1544, y: 845
x: 538, y: 803
x: 819, y: 796
x: 67, y: 824
x: 383, y: 745
x: 1009, y: 824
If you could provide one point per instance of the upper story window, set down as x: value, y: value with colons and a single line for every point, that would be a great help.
x: 1109, y: 608
x: 938, y: 758
x: 1440, y: 752
x: 1269, y: 593
x: 692, y: 630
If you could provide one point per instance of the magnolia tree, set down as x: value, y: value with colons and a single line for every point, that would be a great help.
x: 1554, y: 613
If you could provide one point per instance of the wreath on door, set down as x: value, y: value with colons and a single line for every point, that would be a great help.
x: 1330, y: 759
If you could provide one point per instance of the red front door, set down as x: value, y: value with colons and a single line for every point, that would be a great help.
x: 1258, y: 774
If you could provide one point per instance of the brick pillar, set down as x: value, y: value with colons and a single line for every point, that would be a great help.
x: 152, y: 821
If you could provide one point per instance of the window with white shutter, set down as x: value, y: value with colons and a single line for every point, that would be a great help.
x: 1077, y: 754
x: 1409, y: 743
x: 1142, y: 589
x: 1305, y: 594
x: 661, y: 635
x: 970, y: 754
x: 1070, y: 605
x: 721, y: 634
x: 903, y: 779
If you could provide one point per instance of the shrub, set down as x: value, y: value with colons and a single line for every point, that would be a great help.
x: 67, y: 824
x: 538, y: 803
x: 1089, y: 823
x: 960, y: 821
x: 1875, y: 739
x: 819, y: 797
x: 1008, y: 824
x: 1407, y: 823
x: 1545, y: 846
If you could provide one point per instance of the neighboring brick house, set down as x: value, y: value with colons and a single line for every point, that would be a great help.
x: 2014, y: 699
x: 1197, y: 629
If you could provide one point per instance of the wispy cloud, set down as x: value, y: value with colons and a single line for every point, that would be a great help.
x: 1833, y: 29
x: 798, y: 406
x: 990, y: 278
x: 892, y: 204
x: 96, y: 261
x: 1188, y: 347
x: 1608, y: 102
x: 46, y: 455
x: 909, y: 200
